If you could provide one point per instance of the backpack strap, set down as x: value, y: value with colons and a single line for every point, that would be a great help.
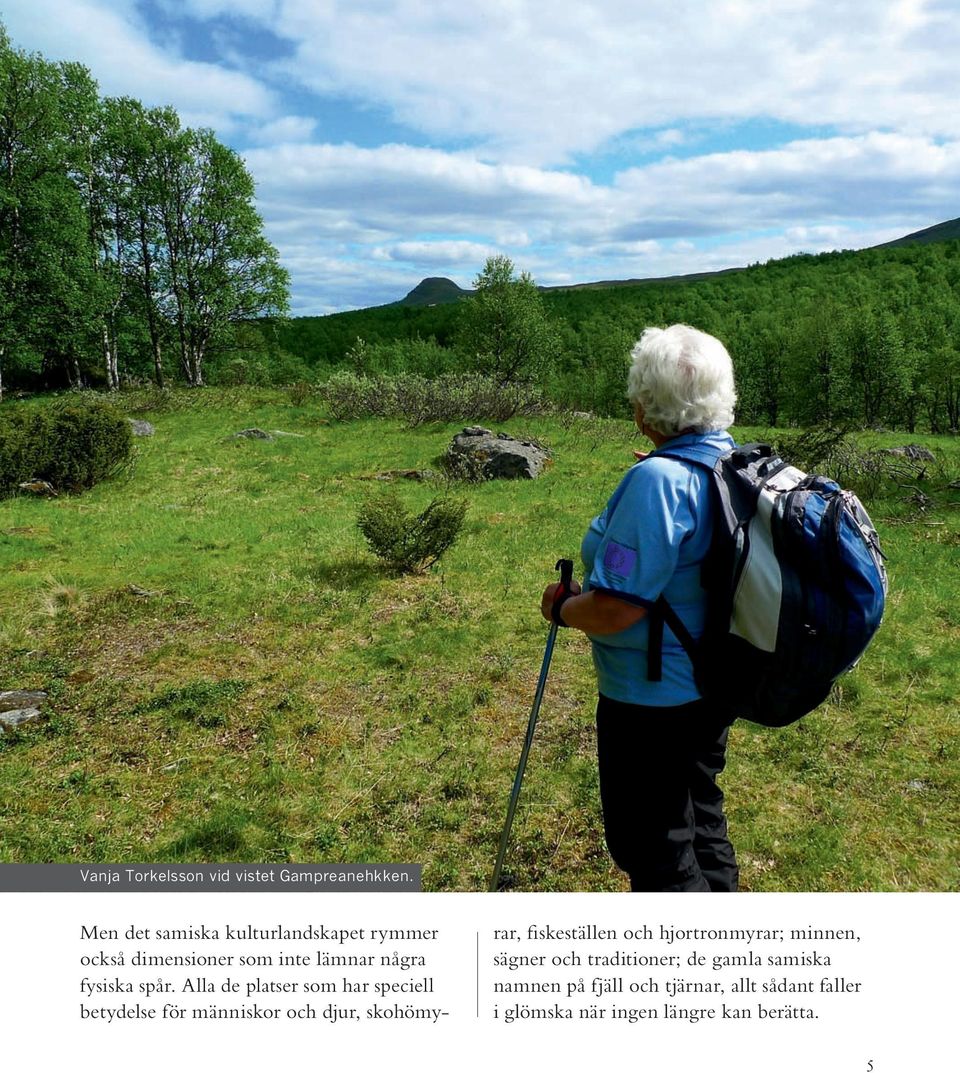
x: 655, y: 642
x: 661, y: 612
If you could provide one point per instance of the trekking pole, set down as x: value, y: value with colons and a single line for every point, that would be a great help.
x: 565, y: 566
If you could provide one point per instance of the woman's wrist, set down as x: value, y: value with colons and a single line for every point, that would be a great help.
x: 558, y: 606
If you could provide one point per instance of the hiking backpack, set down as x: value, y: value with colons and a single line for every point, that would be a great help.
x: 795, y: 587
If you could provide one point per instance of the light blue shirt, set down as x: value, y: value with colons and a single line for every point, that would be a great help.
x: 650, y: 541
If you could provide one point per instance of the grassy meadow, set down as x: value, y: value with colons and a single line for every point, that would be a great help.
x: 232, y: 676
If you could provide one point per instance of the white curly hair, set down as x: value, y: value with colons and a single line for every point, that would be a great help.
x: 682, y: 378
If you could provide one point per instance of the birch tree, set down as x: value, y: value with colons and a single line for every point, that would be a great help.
x: 45, y: 284
x: 221, y: 269
x: 505, y: 327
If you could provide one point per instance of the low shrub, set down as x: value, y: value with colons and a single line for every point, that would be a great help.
x: 85, y: 443
x: 464, y: 396
x: 19, y: 447
x: 815, y: 449
x: 349, y: 396
x: 406, y: 543
x: 916, y: 474
x: 417, y: 399
x: 72, y: 445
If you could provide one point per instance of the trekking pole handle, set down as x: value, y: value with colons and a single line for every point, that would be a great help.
x: 565, y: 566
x: 563, y: 593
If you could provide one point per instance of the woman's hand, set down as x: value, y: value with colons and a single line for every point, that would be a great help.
x: 550, y: 594
x: 593, y: 612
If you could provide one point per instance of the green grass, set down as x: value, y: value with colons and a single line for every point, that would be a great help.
x: 233, y: 676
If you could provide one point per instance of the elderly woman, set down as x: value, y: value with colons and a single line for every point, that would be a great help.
x: 659, y: 745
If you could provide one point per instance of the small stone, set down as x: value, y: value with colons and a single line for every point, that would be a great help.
x: 141, y: 428
x: 38, y: 488
x: 404, y: 475
x: 11, y: 699
x: 135, y: 590
x: 253, y: 434
x: 912, y: 451
x: 19, y: 716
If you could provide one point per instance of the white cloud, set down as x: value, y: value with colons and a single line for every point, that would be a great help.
x: 401, y: 188
x: 539, y: 89
x: 111, y: 40
x: 520, y: 94
x: 436, y: 254
x: 876, y: 174
x: 391, y: 204
x: 290, y: 128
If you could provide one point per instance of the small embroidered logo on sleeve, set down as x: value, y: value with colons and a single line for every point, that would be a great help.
x: 619, y: 560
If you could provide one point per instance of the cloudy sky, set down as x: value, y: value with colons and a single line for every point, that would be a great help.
x: 597, y: 139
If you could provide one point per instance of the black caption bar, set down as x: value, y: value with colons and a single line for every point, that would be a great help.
x: 219, y: 878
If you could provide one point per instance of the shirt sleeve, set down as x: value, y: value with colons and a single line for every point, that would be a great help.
x: 644, y: 525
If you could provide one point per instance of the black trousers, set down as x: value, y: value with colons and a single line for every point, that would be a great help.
x: 662, y: 808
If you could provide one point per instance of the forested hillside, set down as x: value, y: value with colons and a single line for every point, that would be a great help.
x: 869, y: 338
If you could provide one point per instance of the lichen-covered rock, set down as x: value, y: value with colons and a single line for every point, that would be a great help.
x: 253, y: 434
x: 912, y: 451
x: 18, y: 706
x: 18, y: 716
x: 480, y: 453
x: 21, y: 698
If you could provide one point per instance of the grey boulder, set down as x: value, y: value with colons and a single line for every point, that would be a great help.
x: 486, y: 455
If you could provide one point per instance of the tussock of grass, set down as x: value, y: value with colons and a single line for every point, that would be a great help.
x: 232, y: 676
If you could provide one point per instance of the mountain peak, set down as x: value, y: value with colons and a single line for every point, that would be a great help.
x: 433, y: 291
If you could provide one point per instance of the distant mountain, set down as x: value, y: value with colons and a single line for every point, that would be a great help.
x: 950, y: 229
x: 434, y: 291
x: 690, y: 277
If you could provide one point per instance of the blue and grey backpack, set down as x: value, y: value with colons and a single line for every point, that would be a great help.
x: 795, y: 587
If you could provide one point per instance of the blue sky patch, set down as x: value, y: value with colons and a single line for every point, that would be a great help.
x: 390, y: 142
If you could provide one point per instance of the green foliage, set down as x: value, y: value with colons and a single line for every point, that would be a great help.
x: 349, y: 395
x: 417, y: 400
x: 85, y: 442
x: 257, y: 369
x: 122, y: 235
x: 867, y: 338
x: 504, y: 327
x: 407, y: 543
x: 19, y: 447
x: 46, y: 284
x: 72, y: 445
x: 421, y: 357
x: 222, y: 270
x: 324, y: 342
x: 815, y: 449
